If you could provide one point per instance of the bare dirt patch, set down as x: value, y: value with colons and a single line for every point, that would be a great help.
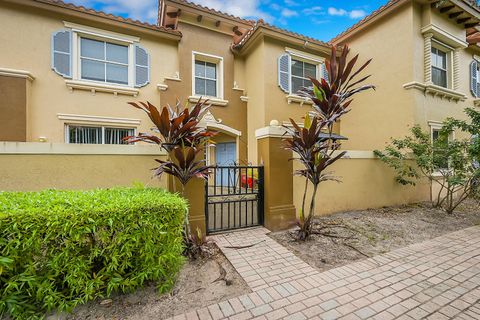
x: 198, y: 285
x: 357, y: 234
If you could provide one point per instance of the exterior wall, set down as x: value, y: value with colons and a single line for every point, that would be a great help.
x: 434, y: 108
x: 49, y: 94
x: 376, y: 116
x: 234, y: 114
x: 266, y: 101
x: 366, y: 183
x: 38, y: 166
x: 13, y: 108
x: 276, y: 104
x: 255, y: 88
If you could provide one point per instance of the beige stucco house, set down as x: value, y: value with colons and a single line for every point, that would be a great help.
x: 68, y: 73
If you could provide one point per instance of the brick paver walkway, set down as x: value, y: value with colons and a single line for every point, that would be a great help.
x: 437, y: 279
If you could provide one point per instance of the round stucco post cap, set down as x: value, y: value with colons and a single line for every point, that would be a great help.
x: 274, y: 123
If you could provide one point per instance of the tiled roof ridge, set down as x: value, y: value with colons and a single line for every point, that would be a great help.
x: 218, y: 12
x: 262, y: 23
x: 473, y: 3
x: 103, y: 14
x: 365, y: 19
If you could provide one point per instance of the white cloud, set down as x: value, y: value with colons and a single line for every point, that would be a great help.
x: 243, y: 9
x: 316, y: 10
x: 291, y: 3
x: 354, y: 14
x: 337, y: 12
x: 144, y: 10
x: 287, y: 13
x: 357, y: 14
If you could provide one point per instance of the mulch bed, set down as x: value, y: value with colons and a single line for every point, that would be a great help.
x: 351, y: 236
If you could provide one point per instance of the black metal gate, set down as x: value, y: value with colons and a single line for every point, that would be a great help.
x: 234, y: 198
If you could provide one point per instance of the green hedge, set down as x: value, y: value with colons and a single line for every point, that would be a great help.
x: 63, y: 248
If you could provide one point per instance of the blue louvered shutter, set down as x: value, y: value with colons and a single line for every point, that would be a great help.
x: 62, y: 53
x: 473, y: 78
x: 324, y: 72
x: 142, y: 67
x: 284, y: 72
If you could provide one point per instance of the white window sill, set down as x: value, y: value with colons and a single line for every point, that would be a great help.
x: 98, y: 87
x: 298, y: 99
x: 212, y: 101
x: 436, y: 91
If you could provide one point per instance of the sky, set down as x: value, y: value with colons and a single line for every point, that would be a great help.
x: 320, y: 19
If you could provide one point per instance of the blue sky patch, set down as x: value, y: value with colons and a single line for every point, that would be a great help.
x: 321, y: 19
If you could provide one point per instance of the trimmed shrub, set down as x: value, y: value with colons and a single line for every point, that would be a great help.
x: 59, y: 249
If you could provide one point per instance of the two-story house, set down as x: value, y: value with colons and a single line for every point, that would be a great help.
x: 68, y: 72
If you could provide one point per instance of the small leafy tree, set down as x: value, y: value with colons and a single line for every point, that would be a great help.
x: 450, y: 163
x: 177, y: 131
x: 314, y: 142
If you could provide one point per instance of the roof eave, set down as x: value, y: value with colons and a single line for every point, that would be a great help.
x: 101, y: 17
x: 224, y: 17
x: 342, y: 37
x: 264, y: 31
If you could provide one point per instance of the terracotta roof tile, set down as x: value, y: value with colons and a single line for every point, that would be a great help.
x: 214, y: 11
x: 472, y: 3
x: 102, y: 14
x: 261, y: 23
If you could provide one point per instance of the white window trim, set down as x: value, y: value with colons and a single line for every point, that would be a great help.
x: 97, y: 125
x: 79, y: 31
x: 308, y: 58
x: 449, y: 57
x: 220, y: 77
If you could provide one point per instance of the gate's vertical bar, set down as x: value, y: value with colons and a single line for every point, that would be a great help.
x: 260, y: 195
x: 207, y: 225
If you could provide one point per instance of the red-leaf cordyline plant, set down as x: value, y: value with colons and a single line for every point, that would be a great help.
x: 314, y: 143
x: 180, y: 135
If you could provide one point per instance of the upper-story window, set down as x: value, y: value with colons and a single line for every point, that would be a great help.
x: 103, y: 61
x: 207, y: 75
x: 301, y: 71
x: 296, y: 67
x: 97, y: 134
x: 88, y: 54
x: 439, y: 67
x: 205, y: 78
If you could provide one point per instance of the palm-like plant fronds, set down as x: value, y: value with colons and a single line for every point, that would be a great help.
x: 315, y: 144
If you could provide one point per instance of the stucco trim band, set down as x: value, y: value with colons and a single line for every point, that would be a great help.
x: 80, y: 149
x: 88, y: 118
x: 212, y: 101
x: 16, y: 73
x: 436, y: 90
x: 94, y: 87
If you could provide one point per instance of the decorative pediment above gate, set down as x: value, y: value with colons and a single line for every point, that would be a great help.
x: 210, y: 122
x: 208, y: 118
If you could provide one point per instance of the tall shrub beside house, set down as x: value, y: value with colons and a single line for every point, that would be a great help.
x: 59, y: 249
x: 314, y: 142
x: 450, y: 161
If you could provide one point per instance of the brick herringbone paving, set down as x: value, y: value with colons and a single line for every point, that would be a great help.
x: 437, y: 279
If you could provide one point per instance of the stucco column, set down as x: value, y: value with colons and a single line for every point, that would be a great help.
x: 279, y: 211
x: 427, y: 57
x: 456, y: 67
